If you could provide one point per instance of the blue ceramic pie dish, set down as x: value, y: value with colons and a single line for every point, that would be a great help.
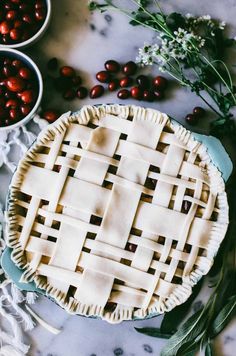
x: 218, y: 155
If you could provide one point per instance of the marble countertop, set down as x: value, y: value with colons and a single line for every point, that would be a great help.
x: 85, y: 41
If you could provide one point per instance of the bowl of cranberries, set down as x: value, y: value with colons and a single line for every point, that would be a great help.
x: 23, y: 22
x: 21, y: 88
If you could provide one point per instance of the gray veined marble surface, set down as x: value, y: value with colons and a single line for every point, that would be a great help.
x: 85, y: 41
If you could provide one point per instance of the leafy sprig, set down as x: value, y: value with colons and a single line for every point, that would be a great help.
x: 197, y: 62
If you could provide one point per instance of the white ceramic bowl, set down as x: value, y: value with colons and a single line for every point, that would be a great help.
x: 37, y: 35
x: 29, y: 63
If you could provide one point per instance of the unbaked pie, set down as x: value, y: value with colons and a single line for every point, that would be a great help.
x: 116, y: 211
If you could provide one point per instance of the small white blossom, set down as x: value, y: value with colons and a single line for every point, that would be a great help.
x: 222, y: 25
x: 206, y: 17
x: 189, y: 16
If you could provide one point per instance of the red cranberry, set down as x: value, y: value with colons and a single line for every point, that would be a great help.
x: 12, y: 104
x: 25, y: 109
x: 15, y: 114
x: 50, y: 115
x: 160, y: 83
x: 9, y: 5
x: 69, y: 94
x: 52, y: 63
x: 159, y: 95
x: 67, y: 71
x: 96, y: 91
x: 199, y: 111
x: 15, y: 34
x: 27, y: 96
x: 40, y: 4
x: 5, y: 38
x: 11, y: 15
x: 17, y: 63
x: 28, y: 19
x: 25, y: 73
x: 191, y: 119
x: 112, y: 66
x: 129, y: 68
x: 82, y: 92
x: 125, y: 82
x: 142, y: 81
x: 132, y: 247
x: 5, y: 27
x: 16, y: 1
x: 40, y: 14
x: 113, y: 85
x: 148, y: 95
x: 77, y: 81
x: 7, y: 61
x: 15, y: 84
x: 103, y: 76
x: 136, y: 93
x: 8, y: 70
x: 123, y: 94
x: 18, y: 24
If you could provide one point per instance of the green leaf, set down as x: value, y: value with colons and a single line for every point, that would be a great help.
x: 224, y: 316
x: 186, y: 332
x: 173, y: 318
x: 208, y: 349
x: 154, y: 332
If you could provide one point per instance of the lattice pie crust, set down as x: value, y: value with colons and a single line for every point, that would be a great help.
x: 116, y: 212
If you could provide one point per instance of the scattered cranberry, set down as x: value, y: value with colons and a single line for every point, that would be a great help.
x: 129, y: 68
x: 136, y: 93
x: 159, y: 95
x: 15, y: 84
x: 142, y: 81
x: 67, y: 71
x: 148, y: 95
x: 123, y: 94
x: 69, y: 94
x: 103, y: 76
x: 52, y: 63
x: 199, y: 111
x: 191, y: 119
x: 96, y: 91
x: 82, y: 92
x: 27, y: 96
x: 160, y: 83
x: 113, y: 85
x: 112, y: 66
x: 50, y: 115
x: 126, y: 82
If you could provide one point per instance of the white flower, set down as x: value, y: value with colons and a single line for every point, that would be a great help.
x: 206, y: 17
x: 222, y: 25
x: 189, y: 16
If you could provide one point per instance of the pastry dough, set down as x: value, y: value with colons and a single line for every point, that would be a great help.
x: 116, y: 211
